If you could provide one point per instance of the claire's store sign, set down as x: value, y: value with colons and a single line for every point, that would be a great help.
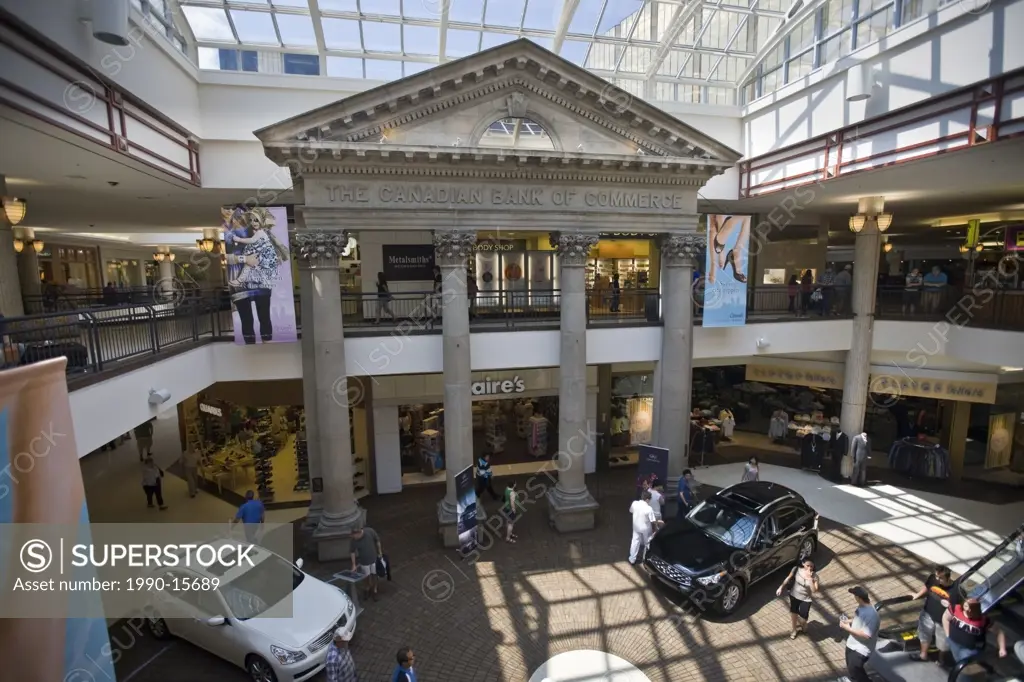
x: 498, y: 386
x: 210, y: 409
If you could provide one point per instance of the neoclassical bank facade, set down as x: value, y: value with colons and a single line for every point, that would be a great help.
x: 420, y: 154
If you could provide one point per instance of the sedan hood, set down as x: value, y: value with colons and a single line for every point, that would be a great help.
x: 315, y: 606
x: 685, y: 545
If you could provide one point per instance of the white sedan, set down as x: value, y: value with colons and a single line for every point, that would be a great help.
x: 249, y: 619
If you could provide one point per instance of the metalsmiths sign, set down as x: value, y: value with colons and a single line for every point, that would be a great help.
x: 941, y: 389
x: 456, y: 196
x: 408, y: 262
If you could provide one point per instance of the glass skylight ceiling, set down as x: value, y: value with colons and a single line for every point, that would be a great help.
x: 685, y: 50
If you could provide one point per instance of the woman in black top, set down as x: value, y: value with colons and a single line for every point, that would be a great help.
x: 806, y: 285
x: 383, y: 297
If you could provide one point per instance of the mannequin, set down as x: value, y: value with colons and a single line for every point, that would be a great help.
x: 728, y: 423
x: 779, y: 425
x: 811, y: 450
x: 861, y: 452
x: 838, y: 448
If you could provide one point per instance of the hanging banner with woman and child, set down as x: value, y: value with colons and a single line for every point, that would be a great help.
x: 725, y: 271
x: 259, y: 274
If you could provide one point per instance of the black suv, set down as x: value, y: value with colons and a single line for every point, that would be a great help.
x: 730, y: 541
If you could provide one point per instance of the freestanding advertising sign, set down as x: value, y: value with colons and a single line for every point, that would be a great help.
x: 259, y: 275
x: 465, y: 507
x: 42, y: 486
x: 653, y: 464
x: 725, y: 271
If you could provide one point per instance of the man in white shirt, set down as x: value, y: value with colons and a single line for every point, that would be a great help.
x: 644, y: 524
x: 657, y: 497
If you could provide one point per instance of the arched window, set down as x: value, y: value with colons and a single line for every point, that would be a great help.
x: 517, y: 133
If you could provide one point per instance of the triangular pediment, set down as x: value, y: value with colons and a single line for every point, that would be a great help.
x: 451, y: 105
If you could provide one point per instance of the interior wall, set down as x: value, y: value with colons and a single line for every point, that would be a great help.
x: 258, y: 393
x: 794, y: 257
x: 938, y: 53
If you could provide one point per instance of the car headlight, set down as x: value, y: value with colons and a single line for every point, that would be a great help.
x: 711, y: 579
x: 286, y: 656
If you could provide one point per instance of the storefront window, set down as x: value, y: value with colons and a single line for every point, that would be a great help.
x: 632, y: 417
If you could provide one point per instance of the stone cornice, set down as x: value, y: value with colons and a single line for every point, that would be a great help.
x: 333, y: 158
x: 537, y: 69
x: 318, y: 248
x: 678, y: 250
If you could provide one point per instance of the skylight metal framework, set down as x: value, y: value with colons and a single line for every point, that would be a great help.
x: 684, y: 50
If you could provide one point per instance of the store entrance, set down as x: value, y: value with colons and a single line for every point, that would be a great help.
x: 512, y: 430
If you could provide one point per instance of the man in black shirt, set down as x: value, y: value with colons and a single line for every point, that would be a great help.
x: 938, y: 598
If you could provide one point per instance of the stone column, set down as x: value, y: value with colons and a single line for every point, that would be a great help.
x: 307, y: 293
x: 318, y: 252
x: 10, y: 287
x: 570, y: 504
x: 452, y: 251
x: 858, y: 359
x: 166, y: 269
x: 674, y: 373
x: 28, y: 269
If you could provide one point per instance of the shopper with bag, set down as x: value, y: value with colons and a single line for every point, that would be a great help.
x: 152, y: 479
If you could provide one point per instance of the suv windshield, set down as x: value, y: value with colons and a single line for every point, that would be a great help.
x: 724, y: 523
x: 261, y: 587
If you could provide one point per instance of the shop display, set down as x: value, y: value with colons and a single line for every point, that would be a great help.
x: 523, y: 411
x: 431, y: 454
x: 494, y: 433
x: 920, y: 459
x: 264, y: 474
x: 812, y: 449
x: 302, y: 482
x: 537, y: 442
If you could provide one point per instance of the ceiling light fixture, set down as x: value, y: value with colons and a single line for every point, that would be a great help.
x: 14, y: 209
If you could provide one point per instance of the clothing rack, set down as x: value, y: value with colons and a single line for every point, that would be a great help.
x: 920, y: 460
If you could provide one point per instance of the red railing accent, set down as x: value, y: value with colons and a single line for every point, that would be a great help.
x: 91, y: 105
x: 833, y: 154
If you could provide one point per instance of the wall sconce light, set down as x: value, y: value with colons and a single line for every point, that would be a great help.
x: 963, y: 248
x: 882, y: 220
x: 887, y: 248
x: 14, y: 209
x: 19, y: 245
x: 857, y: 223
x: 206, y: 245
x: 979, y: 248
x: 159, y: 257
x: 170, y: 257
x: 36, y: 244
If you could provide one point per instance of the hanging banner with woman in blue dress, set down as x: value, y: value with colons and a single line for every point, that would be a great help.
x: 725, y: 269
x: 259, y: 275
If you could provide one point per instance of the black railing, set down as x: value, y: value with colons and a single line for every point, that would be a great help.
x: 100, y: 339
x: 59, y: 299
x: 97, y: 339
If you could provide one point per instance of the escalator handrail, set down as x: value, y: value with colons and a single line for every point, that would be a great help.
x: 894, y: 601
x: 954, y: 674
x: 1007, y: 541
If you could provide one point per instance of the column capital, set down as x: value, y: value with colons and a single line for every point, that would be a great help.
x: 573, y: 247
x: 452, y: 248
x: 318, y: 248
x: 680, y: 250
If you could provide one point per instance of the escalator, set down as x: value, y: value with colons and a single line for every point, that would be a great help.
x: 997, y: 582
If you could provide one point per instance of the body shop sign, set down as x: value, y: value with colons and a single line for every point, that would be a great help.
x: 409, y: 262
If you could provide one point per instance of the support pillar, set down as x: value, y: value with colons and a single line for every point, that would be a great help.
x: 318, y: 252
x: 452, y: 251
x: 28, y: 267
x: 959, y: 419
x: 306, y: 296
x: 11, y: 304
x: 570, y: 505
x: 674, y: 373
x: 858, y: 359
x: 166, y: 269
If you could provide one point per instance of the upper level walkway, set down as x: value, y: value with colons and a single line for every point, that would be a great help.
x: 105, y: 341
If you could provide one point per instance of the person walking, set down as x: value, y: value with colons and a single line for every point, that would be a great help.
x: 934, y: 284
x: 251, y: 514
x: 340, y: 666
x: 967, y: 630
x: 802, y: 583
x: 657, y: 498
x: 383, y: 298
x: 793, y: 291
x: 912, y: 291
x: 366, y: 549
x: 510, y: 508
x: 826, y: 282
x: 483, y: 477
x: 472, y: 289
x: 863, y: 634
x: 751, y: 471
x: 936, y: 595
x: 685, y: 497
x: 404, y: 671
x: 152, y: 477
x: 806, y: 289
x: 842, y: 283
x: 190, y: 466
x: 616, y: 292
x: 644, y: 525
x: 144, y: 439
